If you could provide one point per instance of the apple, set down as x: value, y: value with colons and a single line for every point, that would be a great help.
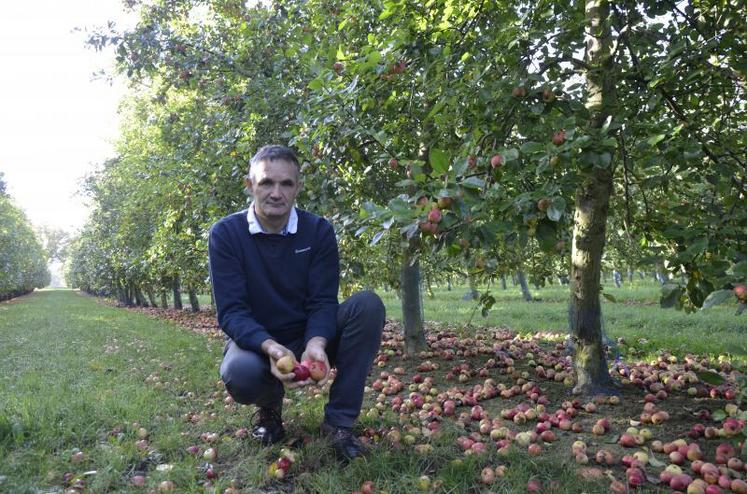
x: 487, y: 475
x: 542, y: 205
x: 496, y: 160
x: 300, y: 372
x: 138, y: 480
x: 548, y: 95
x: 317, y: 370
x: 534, y: 486
x: 210, y: 454
x: 434, y: 216
x: 740, y: 291
x: 444, y: 202
x: 558, y: 138
x: 166, y: 486
x: 338, y: 67
x: 285, y: 364
x: 519, y: 92
x: 393, y: 163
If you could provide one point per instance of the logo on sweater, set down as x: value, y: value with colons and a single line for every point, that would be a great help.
x: 305, y: 249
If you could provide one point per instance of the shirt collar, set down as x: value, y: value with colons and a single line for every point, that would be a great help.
x: 255, y: 227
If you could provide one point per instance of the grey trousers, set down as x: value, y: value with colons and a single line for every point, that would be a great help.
x: 360, y: 321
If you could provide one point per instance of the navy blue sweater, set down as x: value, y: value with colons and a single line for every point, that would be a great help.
x: 282, y: 287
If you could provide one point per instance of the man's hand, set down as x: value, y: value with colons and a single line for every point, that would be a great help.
x: 315, y: 350
x: 275, y: 351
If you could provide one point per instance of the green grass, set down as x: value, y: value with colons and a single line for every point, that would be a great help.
x: 79, y: 375
x: 634, y: 316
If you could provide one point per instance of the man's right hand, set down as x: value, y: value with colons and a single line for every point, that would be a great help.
x: 275, y: 351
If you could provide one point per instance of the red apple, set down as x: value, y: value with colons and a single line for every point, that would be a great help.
x: 740, y: 291
x: 317, y: 370
x: 434, y: 216
x: 496, y: 160
x: 558, y: 138
x: 300, y: 372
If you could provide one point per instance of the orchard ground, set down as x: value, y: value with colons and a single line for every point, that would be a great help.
x: 97, y: 399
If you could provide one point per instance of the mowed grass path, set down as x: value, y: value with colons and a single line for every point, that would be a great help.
x: 72, y: 371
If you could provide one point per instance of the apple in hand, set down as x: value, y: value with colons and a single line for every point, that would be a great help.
x: 300, y: 372
x: 285, y: 364
x: 317, y: 369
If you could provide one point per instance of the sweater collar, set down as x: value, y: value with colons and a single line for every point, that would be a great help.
x: 255, y: 227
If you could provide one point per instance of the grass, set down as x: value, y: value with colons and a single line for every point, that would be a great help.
x: 77, y: 375
x: 80, y: 376
x: 635, y: 316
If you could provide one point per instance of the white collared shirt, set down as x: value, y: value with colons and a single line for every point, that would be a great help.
x: 256, y: 227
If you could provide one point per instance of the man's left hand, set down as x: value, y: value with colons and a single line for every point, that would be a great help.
x: 315, y: 350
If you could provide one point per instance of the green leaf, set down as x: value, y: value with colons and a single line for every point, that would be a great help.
x: 716, y: 297
x: 556, y: 209
x: 670, y: 296
x: 710, y: 378
x: 510, y: 154
x: 609, y: 297
x: 474, y: 183
x: 740, y: 269
x: 546, y: 235
x: 532, y: 147
x: 439, y: 160
x: 377, y: 237
x: 654, y: 140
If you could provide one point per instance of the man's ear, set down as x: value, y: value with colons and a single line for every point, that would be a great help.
x: 248, y: 183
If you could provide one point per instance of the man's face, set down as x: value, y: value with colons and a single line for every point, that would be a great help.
x: 274, y: 186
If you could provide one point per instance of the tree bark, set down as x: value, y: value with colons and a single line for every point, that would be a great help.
x: 164, y: 299
x: 590, y: 217
x: 503, y: 282
x: 151, y: 297
x: 525, y: 293
x: 193, y: 301
x: 412, y: 310
x: 177, y: 290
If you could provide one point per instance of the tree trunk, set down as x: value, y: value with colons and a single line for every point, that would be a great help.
x: 590, y: 217
x: 473, y: 293
x: 524, y: 287
x: 503, y: 282
x: 139, y: 298
x: 193, y: 301
x: 164, y: 299
x: 176, y: 288
x: 412, y: 309
x: 151, y: 297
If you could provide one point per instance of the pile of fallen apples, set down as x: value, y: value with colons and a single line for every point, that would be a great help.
x: 515, y: 367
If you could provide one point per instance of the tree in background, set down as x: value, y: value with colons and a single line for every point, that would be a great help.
x: 486, y: 138
x: 23, y: 260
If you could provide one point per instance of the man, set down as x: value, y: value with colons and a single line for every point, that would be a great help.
x: 275, y: 275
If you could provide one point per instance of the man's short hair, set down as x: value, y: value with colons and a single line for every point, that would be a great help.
x: 272, y: 152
